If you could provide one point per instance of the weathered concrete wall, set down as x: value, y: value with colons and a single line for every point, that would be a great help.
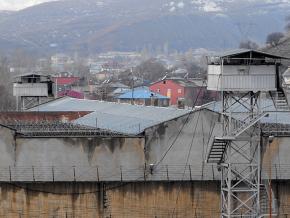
x: 198, y: 199
x: 26, y: 202
x: 151, y: 199
x: 275, y: 158
x: 7, y: 146
x: 79, y: 151
x: 281, y: 191
x: 187, y: 140
x: 162, y: 199
x: 115, y: 159
x: 81, y: 159
x: 107, y: 155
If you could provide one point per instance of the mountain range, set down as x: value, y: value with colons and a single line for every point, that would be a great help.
x: 94, y: 26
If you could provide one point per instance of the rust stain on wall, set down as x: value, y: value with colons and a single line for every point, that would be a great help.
x: 139, y: 199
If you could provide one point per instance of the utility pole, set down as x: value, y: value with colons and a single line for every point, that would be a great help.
x: 132, y: 87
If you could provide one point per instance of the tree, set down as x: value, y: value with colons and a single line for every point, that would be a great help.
x: 150, y: 70
x: 248, y: 44
x: 274, y: 38
x: 7, y: 101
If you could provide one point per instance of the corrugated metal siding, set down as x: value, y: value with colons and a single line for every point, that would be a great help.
x: 34, y: 89
x: 254, y: 78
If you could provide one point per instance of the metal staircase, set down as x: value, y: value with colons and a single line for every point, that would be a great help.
x: 246, y: 124
x: 280, y: 100
x: 219, y: 145
x: 217, y: 150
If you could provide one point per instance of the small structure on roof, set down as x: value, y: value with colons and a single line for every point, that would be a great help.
x: 243, y: 70
x: 31, y: 89
x: 143, y: 96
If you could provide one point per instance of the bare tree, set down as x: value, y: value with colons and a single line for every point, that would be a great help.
x: 7, y: 101
x: 248, y: 44
x: 274, y: 38
x: 151, y: 70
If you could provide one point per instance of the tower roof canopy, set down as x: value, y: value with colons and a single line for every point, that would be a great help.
x: 248, y: 54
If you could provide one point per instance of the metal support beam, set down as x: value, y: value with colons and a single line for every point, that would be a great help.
x: 240, y: 179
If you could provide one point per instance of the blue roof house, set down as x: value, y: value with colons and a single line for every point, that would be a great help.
x: 143, y: 96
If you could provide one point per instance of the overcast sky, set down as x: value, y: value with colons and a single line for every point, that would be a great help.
x: 209, y: 5
x: 18, y: 4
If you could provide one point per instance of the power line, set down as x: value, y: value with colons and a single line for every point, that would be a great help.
x: 187, y: 159
x: 182, y: 127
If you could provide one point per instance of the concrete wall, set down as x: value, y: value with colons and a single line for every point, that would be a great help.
x: 81, y: 159
x: 186, y: 144
x: 276, y: 161
x: 151, y: 199
x: 169, y: 146
x: 7, y: 146
x: 114, y: 159
x: 282, y: 192
x: 121, y: 200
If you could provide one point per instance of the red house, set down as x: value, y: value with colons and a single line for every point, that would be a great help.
x: 66, y: 81
x: 183, y: 92
x: 72, y: 94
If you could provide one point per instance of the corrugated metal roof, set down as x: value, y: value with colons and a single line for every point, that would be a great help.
x: 267, y: 105
x: 235, y: 52
x: 65, y: 80
x: 141, y: 94
x: 123, y: 118
x: 71, y: 93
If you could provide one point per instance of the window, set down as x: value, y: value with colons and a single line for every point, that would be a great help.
x: 179, y: 91
x: 169, y: 93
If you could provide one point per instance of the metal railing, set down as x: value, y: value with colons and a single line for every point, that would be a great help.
x: 97, y: 173
x: 206, y: 172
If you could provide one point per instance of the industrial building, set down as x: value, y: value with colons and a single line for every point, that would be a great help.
x: 84, y: 158
x: 87, y: 158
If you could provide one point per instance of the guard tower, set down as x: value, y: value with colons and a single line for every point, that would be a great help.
x: 31, y: 89
x: 242, y: 77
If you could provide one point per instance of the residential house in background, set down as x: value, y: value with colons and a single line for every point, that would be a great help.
x: 143, y: 96
x: 72, y: 94
x: 60, y: 62
x: 65, y: 82
x: 108, y: 91
x: 183, y: 92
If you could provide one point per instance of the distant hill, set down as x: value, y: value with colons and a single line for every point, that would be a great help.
x: 93, y: 26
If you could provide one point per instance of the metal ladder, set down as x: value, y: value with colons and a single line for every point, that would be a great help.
x: 280, y: 100
x: 217, y: 150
